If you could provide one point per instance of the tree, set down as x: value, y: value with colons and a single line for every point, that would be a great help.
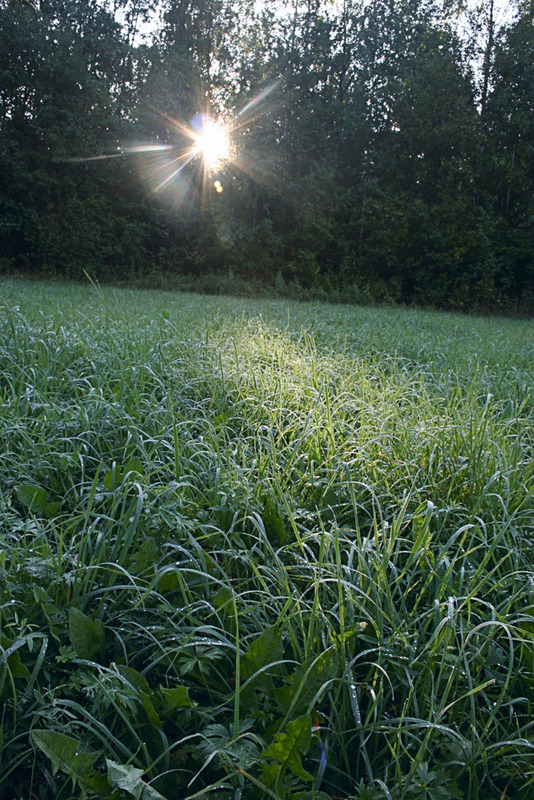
x: 60, y: 71
x: 509, y: 156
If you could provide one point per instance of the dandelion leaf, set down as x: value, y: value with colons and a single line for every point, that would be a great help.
x: 130, y: 779
x: 36, y: 500
x: 287, y: 749
x: 309, y: 682
x: 175, y: 698
x: 148, y: 698
x: 263, y: 651
x: 87, y: 635
x: 68, y: 755
x: 10, y: 654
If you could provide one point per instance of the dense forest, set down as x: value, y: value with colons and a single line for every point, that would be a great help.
x: 379, y: 150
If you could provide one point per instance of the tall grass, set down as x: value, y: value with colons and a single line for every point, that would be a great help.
x: 256, y: 549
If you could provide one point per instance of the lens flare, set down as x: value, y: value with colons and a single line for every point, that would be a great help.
x: 212, y: 144
x: 200, y: 151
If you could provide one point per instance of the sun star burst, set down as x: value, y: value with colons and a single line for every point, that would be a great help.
x: 185, y: 167
x: 212, y: 144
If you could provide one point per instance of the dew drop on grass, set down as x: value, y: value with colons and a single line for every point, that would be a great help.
x: 353, y: 695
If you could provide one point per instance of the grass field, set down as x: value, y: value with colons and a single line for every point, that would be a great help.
x: 263, y: 550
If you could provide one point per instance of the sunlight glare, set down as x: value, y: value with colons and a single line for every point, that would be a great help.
x: 212, y: 144
x: 185, y: 168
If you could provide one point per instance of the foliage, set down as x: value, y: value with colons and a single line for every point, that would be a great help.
x: 390, y: 157
x: 262, y: 548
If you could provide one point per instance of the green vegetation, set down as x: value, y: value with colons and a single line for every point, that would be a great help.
x: 389, y: 157
x: 254, y: 549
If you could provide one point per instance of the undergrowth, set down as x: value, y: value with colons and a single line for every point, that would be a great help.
x: 263, y: 550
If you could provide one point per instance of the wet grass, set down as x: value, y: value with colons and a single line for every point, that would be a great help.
x: 263, y: 549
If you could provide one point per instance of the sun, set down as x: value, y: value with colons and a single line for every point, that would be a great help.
x: 206, y: 145
x: 212, y: 144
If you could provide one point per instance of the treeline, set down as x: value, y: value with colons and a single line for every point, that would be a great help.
x: 381, y: 149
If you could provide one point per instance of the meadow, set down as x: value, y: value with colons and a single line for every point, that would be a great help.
x: 259, y: 549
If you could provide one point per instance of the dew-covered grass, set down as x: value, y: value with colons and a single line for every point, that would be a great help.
x: 255, y: 549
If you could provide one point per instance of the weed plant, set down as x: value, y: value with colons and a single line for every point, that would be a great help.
x: 263, y: 550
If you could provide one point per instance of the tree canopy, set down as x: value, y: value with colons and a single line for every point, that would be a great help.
x: 379, y: 149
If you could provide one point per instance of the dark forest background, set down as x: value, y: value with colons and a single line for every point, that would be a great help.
x: 391, y: 159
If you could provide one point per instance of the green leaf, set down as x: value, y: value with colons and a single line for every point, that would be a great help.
x: 148, y: 705
x: 125, y: 776
x: 35, y: 499
x: 55, y: 616
x: 288, y: 747
x: 527, y: 625
x: 133, y: 465
x: 168, y: 582
x: 69, y: 755
x: 222, y: 597
x: 138, y: 681
x: 431, y: 785
x: 118, y: 472
x: 308, y: 683
x: 274, y: 523
x: 175, y: 698
x: 129, y: 778
x: 223, y: 602
x: 270, y: 774
x: 113, y: 477
x: 10, y: 654
x: 263, y: 651
x: 145, y: 557
x: 148, y: 697
x: 87, y: 635
x: 321, y: 796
